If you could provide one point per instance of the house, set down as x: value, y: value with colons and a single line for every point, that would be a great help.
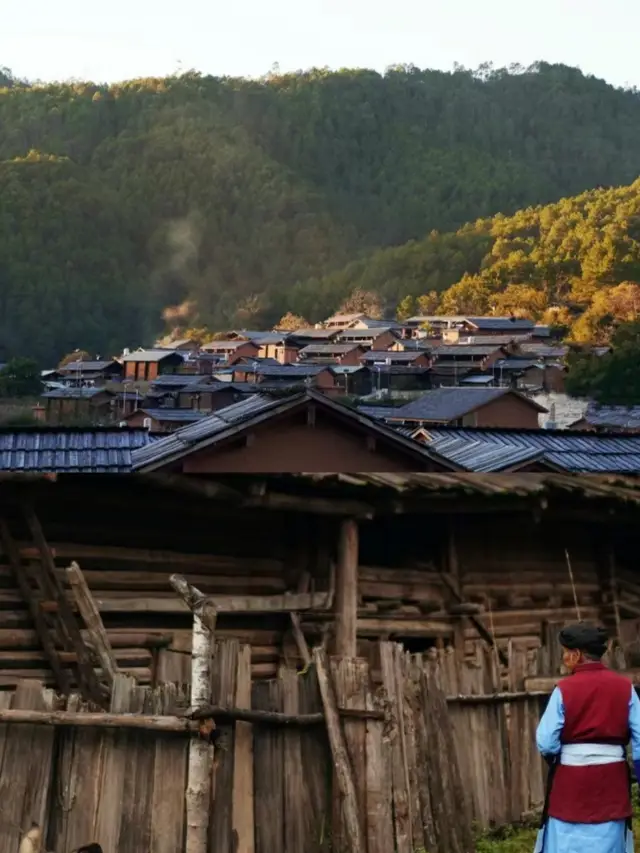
x: 300, y: 432
x: 186, y: 345
x: 207, y: 396
x: 488, y: 407
x: 302, y: 337
x: 231, y: 351
x: 451, y: 364
x: 351, y: 380
x: 163, y: 419
x: 345, y: 354
x: 412, y: 345
x: 338, y: 322
x: 69, y: 405
x: 496, y: 325
x: 278, y: 346
x: 410, y: 357
x: 76, y: 373
x: 378, y: 338
x: 147, y: 365
x: 304, y: 374
x: 609, y: 419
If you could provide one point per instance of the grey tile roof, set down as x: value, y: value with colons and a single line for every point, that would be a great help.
x: 311, y: 332
x: 617, y: 417
x: 205, y: 428
x: 151, y: 355
x: 387, y: 355
x: 50, y: 450
x: 177, y: 380
x: 183, y: 416
x: 364, y: 334
x: 501, y: 323
x: 544, y: 350
x: 73, y: 393
x: 380, y: 413
x: 327, y: 349
x: 87, y: 366
x: 486, y: 450
x: 448, y: 404
x: 464, y: 350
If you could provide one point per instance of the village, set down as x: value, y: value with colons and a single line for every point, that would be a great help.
x: 477, y: 394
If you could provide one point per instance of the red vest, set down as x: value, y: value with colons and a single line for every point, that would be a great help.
x: 596, y: 710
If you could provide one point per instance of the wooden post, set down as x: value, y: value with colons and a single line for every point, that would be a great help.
x: 242, y: 805
x: 346, y: 605
x: 344, y: 774
x: 94, y: 625
x: 198, y: 795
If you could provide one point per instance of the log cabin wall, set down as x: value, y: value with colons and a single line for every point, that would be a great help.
x: 415, y: 572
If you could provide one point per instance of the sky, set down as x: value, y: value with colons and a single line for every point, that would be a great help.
x: 121, y: 39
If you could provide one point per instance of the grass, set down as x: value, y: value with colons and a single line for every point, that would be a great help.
x: 510, y: 840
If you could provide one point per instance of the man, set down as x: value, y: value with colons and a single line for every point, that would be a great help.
x: 590, y: 718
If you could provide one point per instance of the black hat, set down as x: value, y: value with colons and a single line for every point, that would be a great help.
x: 585, y: 638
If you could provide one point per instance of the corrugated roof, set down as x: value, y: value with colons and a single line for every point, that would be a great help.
x: 51, y: 450
x: 448, y: 404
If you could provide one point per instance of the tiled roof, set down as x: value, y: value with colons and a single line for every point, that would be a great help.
x: 64, y: 450
x: 448, y: 404
x: 73, y: 393
x: 327, y: 349
x: 501, y: 323
x: 177, y: 380
x: 464, y: 350
x: 150, y: 355
x: 87, y: 366
x: 183, y: 416
x: 617, y: 417
x: 387, y: 355
x: 485, y: 450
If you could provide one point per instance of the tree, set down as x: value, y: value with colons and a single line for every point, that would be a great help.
x: 20, y: 377
x: 290, y: 322
x: 613, y: 378
x: 76, y: 355
x: 406, y: 308
x: 428, y: 303
x: 363, y: 302
x: 470, y: 295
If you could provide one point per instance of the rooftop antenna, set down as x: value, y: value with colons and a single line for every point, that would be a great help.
x: 573, y: 585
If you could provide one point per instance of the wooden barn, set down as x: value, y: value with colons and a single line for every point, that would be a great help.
x: 444, y: 560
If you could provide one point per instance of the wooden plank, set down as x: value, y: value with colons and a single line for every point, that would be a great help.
x: 294, y: 818
x: 169, y: 779
x: 340, y: 755
x: 379, y: 815
x: 95, y: 628
x: 399, y: 777
x: 136, y: 722
x: 406, y: 690
x: 137, y: 795
x: 26, y: 770
x: 268, y: 772
x: 224, y: 670
x: 423, y: 755
x: 243, y: 804
x: 351, y: 680
x: 88, y: 678
x: 62, y: 677
x: 114, y: 769
x: 346, y: 598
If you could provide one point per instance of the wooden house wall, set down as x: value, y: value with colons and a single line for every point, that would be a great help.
x: 128, y: 541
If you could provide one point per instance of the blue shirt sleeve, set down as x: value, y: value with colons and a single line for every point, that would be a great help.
x: 550, y: 726
x: 634, y: 724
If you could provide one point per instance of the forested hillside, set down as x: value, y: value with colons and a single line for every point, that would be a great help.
x: 575, y: 263
x: 237, y: 200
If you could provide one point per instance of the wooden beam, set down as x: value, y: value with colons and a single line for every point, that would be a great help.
x: 346, y: 600
x: 65, y: 611
x: 484, y: 633
x: 98, y: 638
x: 63, y: 680
x: 309, y: 504
x: 180, y: 725
x: 342, y: 765
x: 275, y: 718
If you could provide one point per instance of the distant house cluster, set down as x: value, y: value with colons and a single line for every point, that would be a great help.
x: 352, y: 356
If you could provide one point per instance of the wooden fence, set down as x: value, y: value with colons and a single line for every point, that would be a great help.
x: 432, y: 748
